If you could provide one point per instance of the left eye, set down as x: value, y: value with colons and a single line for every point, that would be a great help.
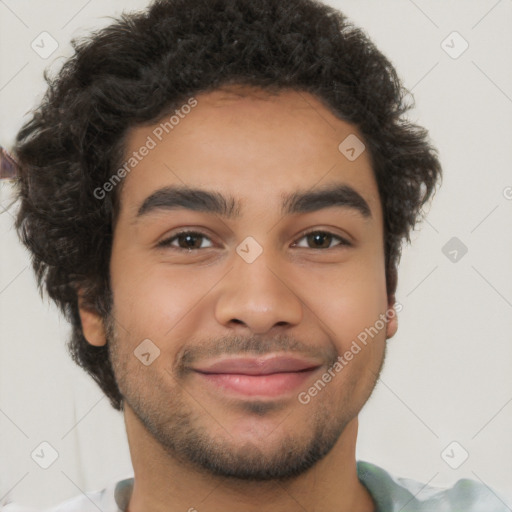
x: 321, y: 240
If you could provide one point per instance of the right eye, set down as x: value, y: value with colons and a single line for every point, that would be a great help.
x: 186, y: 241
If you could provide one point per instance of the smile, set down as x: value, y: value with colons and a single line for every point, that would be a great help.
x: 258, y: 377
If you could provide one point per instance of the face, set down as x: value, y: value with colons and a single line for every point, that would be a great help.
x: 247, y: 258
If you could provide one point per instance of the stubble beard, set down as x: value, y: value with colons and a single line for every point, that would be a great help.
x: 182, y: 430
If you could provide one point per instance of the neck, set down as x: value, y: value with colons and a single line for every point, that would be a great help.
x: 163, y: 483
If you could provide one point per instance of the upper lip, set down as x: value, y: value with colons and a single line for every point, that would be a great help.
x: 258, y: 365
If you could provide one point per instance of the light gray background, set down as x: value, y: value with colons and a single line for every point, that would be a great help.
x: 447, y: 375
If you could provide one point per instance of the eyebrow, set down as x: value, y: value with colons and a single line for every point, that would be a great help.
x: 175, y: 197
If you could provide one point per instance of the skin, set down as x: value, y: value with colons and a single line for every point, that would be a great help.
x: 294, y: 298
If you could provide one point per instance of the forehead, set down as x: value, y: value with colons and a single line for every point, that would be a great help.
x: 251, y: 144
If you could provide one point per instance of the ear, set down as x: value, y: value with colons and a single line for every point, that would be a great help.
x: 391, y: 284
x: 92, y: 324
x: 392, y: 322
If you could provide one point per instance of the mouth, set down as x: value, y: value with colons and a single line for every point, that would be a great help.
x: 258, y: 377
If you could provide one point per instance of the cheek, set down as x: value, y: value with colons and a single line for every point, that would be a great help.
x: 154, y: 301
x: 348, y: 299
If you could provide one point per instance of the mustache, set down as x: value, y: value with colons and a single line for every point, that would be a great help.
x: 256, y: 345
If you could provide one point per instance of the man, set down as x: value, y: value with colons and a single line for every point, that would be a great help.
x: 215, y: 193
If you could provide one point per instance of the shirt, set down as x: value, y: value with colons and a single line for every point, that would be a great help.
x: 390, y: 494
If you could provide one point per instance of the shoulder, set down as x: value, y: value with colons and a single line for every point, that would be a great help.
x: 113, y: 498
x: 83, y: 503
x: 393, y: 494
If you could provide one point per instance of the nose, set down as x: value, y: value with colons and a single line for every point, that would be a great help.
x: 257, y: 296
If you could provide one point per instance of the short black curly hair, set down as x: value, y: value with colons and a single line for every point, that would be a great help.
x: 143, y: 66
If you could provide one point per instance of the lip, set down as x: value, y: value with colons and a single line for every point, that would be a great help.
x: 258, y: 377
x: 258, y: 365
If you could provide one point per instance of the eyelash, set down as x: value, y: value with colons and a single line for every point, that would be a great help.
x: 167, y: 242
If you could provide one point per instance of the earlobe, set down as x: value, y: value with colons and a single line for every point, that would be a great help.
x: 392, y: 322
x: 92, y: 325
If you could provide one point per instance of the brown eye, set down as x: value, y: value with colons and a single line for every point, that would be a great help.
x: 186, y: 240
x: 321, y: 240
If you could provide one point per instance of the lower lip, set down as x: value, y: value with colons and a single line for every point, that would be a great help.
x: 271, y: 385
